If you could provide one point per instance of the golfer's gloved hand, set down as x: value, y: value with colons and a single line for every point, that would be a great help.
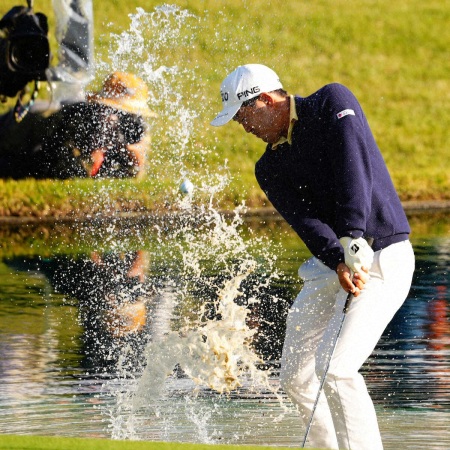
x: 357, y: 253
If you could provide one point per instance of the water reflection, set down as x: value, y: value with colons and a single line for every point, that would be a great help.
x: 120, y: 307
x: 71, y: 321
x: 415, y: 348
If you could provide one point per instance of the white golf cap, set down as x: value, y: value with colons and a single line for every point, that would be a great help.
x: 244, y: 83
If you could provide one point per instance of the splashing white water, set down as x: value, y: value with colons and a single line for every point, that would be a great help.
x: 202, y: 327
x: 215, y: 353
x: 156, y: 47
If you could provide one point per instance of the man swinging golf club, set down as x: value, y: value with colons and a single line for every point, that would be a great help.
x: 324, y: 173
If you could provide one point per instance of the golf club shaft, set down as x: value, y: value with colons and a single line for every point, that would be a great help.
x: 325, y: 373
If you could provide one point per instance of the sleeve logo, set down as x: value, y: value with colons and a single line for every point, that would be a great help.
x: 344, y: 113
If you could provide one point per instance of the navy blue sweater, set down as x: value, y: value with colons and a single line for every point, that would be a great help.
x: 332, y: 181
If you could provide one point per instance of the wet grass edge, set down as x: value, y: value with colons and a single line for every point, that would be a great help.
x: 16, y: 442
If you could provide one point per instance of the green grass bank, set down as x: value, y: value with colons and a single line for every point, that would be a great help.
x: 11, y: 442
x: 393, y: 55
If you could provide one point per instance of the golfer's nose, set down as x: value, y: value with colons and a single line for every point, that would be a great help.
x: 247, y: 127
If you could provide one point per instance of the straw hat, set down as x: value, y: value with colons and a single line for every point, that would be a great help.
x: 126, y: 319
x: 126, y: 92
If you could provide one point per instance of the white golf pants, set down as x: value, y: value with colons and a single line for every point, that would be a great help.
x: 345, y: 416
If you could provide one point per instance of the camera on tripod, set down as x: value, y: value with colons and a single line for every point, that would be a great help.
x: 24, y: 49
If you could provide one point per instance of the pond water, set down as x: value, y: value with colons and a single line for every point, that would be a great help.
x: 80, y: 306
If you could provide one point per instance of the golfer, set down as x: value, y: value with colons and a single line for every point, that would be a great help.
x: 323, y: 172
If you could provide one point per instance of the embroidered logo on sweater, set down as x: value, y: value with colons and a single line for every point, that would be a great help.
x: 344, y: 113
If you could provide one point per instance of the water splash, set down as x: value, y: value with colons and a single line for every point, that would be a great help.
x: 151, y: 48
x: 213, y: 274
x: 213, y: 353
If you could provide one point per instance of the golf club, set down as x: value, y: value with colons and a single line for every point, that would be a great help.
x: 322, y: 381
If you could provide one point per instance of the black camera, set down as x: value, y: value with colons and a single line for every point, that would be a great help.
x: 24, y: 49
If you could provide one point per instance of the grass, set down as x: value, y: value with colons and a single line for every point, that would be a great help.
x: 10, y: 442
x: 393, y: 55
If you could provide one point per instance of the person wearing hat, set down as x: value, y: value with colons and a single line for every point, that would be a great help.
x: 71, y: 135
x: 124, y: 93
x: 106, y: 135
x: 322, y: 170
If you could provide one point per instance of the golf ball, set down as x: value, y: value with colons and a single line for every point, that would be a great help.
x: 186, y: 187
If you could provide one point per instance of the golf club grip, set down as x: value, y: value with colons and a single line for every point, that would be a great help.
x: 347, y: 302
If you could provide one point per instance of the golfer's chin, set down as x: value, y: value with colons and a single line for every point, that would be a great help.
x: 269, y: 139
x: 266, y: 139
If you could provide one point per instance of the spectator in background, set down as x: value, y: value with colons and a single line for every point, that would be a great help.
x: 77, y: 134
x: 106, y: 135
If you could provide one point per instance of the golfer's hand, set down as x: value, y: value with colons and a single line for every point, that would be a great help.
x: 353, y: 283
x: 357, y: 253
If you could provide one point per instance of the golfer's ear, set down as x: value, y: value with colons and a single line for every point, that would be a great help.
x: 267, y: 98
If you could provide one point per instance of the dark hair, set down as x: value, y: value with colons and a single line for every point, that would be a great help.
x: 252, y: 101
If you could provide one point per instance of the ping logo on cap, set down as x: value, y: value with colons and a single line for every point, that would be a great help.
x: 247, y: 92
x: 344, y: 113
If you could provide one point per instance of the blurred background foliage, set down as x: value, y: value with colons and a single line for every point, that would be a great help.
x: 393, y: 55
